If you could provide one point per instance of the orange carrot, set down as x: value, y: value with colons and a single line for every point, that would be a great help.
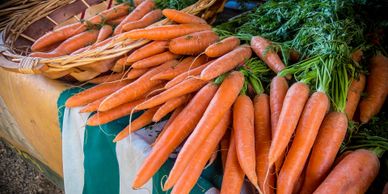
x: 376, y: 88
x: 141, y: 10
x: 224, y: 147
x: 354, y: 95
x: 233, y: 179
x: 193, y: 44
x: 169, y: 106
x: 193, y: 171
x: 221, y: 102
x: 292, y: 108
x: 182, y: 17
x: 94, y: 93
x: 140, y: 122
x: 116, y: 112
x: 185, y: 65
x: 70, y: 45
x: 116, y: 21
x: 120, y: 64
x: 263, y: 142
x: 226, y: 63
x: 354, y: 174
x: 108, y: 78
x: 178, y: 79
x: 167, y: 32
x: 104, y: 33
x: 185, y: 87
x: 154, y: 60
x: 330, y: 136
x: 134, y: 90
x: 278, y: 90
x: 174, y: 114
x: 109, y: 14
x: 57, y: 35
x: 244, y: 135
x: 306, y: 133
x: 224, y: 46
x: 151, y: 49
x: 135, y: 73
x: 260, y: 45
x: 93, y: 106
x: 147, y: 20
x: 175, y: 134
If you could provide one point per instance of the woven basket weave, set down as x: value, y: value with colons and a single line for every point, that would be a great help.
x: 32, y: 23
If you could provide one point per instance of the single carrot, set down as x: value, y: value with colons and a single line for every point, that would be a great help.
x: 116, y: 21
x: 93, y: 106
x: 174, y: 114
x: 278, y: 90
x: 182, y: 17
x: 115, y: 113
x: 154, y: 60
x: 141, y: 10
x: 151, y: 49
x: 354, y: 174
x: 108, y: 78
x: 70, y: 45
x: 261, y: 47
x: 94, y: 93
x: 167, y: 32
x: 185, y: 87
x: 185, y: 65
x: 354, y: 95
x: 57, y: 35
x: 376, y: 88
x: 120, y: 64
x: 135, y: 73
x: 244, y: 135
x: 175, y: 134
x: 224, y: 147
x: 292, y: 108
x: 193, y: 44
x: 147, y: 20
x: 263, y: 142
x: 221, y: 102
x: 299, y: 183
x: 306, y: 133
x: 135, y: 89
x: 178, y: 79
x: 330, y: 136
x: 233, y: 179
x: 140, y: 122
x: 222, y: 47
x: 226, y: 63
x: 104, y: 33
x: 109, y: 14
x: 193, y: 171
x: 169, y: 106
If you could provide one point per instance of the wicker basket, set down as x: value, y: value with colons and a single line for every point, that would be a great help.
x: 32, y: 23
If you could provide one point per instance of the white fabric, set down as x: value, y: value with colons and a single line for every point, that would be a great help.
x: 73, y: 131
x: 131, y: 152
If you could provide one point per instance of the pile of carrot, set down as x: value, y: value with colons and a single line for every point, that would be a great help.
x: 283, y: 140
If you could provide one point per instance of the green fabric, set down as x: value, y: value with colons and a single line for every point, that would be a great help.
x: 100, y: 162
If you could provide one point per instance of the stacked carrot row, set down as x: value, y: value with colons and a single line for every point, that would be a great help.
x: 286, y: 140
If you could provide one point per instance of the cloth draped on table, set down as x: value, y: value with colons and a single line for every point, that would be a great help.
x: 93, y: 164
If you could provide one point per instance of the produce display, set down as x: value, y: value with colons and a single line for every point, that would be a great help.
x: 291, y: 93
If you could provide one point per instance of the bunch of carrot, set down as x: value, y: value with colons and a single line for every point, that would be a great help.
x: 287, y: 140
